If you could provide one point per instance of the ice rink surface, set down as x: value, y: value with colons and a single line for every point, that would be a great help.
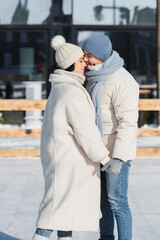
x: 21, y: 190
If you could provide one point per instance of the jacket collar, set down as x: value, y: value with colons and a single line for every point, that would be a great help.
x: 62, y: 76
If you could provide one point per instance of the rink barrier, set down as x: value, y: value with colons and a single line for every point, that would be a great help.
x: 24, y: 104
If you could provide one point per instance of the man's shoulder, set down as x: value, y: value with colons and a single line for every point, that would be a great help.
x: 120, y: 77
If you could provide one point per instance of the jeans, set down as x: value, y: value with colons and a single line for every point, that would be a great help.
x: 114, y: 204
x: 47, y: 233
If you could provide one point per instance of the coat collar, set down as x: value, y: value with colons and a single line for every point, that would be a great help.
x: 62, y: 76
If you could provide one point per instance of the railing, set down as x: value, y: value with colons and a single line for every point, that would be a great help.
x: 23, y: 105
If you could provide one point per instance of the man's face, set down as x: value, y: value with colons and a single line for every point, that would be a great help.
x: 90, y: 60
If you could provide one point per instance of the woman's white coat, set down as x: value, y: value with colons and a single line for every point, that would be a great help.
x: 71, y: 153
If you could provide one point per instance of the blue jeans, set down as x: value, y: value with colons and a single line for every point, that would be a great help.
x: 47, y: 233
x: 114, y: 204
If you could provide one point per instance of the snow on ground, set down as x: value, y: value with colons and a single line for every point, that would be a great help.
x: 21, y: 188
x: 23, y: 126
x: 6, y: 143
x: 148, y: 142
x: 142, y: 142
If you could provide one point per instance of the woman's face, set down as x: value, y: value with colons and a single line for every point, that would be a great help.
x: 79, y: 65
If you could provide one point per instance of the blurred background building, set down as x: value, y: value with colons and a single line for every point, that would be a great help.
x: 27, y: 26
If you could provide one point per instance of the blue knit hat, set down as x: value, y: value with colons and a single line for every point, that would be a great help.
x: 99, y: 45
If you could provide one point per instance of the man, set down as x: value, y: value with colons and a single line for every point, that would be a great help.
x: 115, y: 95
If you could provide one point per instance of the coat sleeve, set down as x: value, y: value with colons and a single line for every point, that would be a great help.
x: 125, y: 103
x: 81, y: 118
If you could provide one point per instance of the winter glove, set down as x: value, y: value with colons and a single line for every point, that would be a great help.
x: 113, y: 166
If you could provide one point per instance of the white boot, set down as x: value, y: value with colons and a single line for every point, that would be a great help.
x: 39, y: 237
x: 65, y: 238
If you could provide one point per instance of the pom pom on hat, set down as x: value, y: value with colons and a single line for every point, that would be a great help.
x: 65, y: 53
x: 57, y: 41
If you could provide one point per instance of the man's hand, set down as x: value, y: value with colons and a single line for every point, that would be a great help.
x: 113, y: 166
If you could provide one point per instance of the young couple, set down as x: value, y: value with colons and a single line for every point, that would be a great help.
x: 87, y: 138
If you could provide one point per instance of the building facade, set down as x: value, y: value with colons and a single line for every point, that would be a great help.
x: 27, y: 26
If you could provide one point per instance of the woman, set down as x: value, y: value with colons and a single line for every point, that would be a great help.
x: 71, y: 151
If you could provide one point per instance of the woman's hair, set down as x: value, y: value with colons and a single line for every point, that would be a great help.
x: 54, y: 67
x: 70, y: 68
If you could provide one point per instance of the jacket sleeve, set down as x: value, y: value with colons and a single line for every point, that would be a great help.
x: 125, y: 103
x: 81, y: 118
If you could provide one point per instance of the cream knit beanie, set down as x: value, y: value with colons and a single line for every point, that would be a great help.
x: 66, y: 53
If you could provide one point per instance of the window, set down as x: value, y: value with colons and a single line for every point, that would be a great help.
x: 25, y: 11
x: 23, y: 37
x: 62, y: 11
x: 114, y: 12
x: 7, y: 59
x: 24, y: 59
x: 9, y: 36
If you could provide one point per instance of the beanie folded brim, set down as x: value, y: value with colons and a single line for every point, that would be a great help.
x: 71, y: 59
